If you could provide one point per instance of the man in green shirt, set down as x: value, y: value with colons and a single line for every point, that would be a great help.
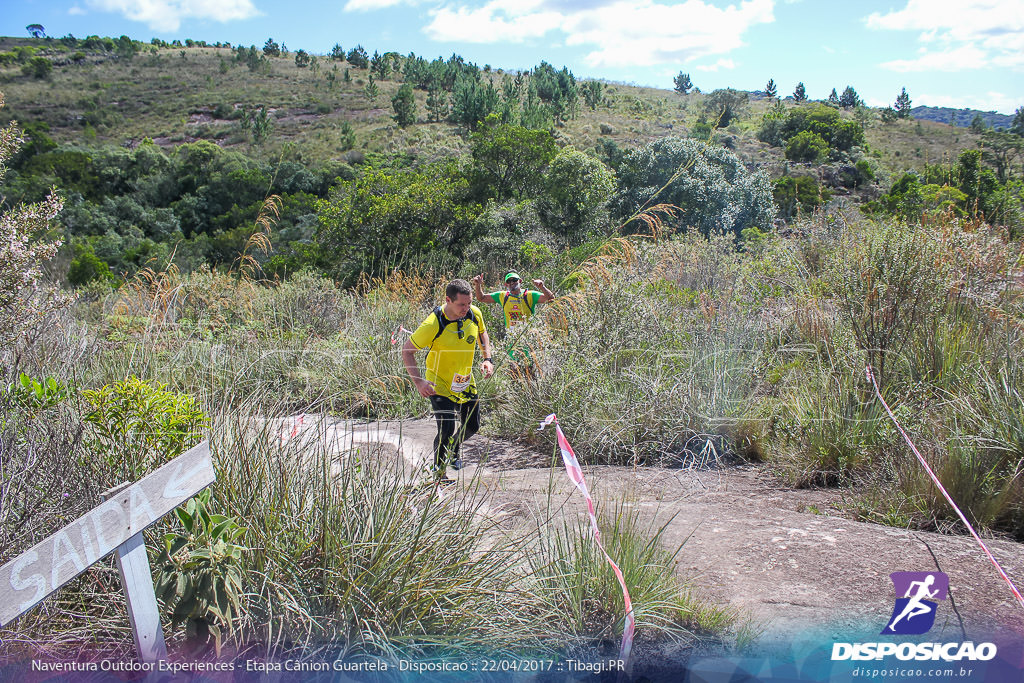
x: 518, y: 306
x: 451, y: 334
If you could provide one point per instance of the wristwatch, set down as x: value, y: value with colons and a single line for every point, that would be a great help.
x: 487, y: 360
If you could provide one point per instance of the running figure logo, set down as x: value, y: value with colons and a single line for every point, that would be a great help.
x: 916, y: 595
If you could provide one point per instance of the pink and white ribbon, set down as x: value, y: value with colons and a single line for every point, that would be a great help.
x: 399, y: 330
x: 295, y: 422
x: 942, y: 490
x: 575, y: 472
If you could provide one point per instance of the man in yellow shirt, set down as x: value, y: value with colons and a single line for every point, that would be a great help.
x: 451, y: 334
x: 517, y: 305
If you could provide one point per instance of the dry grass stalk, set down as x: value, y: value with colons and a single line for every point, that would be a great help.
x: 401, y: 286
x: 149, y: 292
x: 246, y: 265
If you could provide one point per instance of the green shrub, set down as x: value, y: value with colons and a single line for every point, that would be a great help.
x: 86, y: 266
x: 864, y: 168
x: 201, y: 574
x: 826, y: 122
x: 533, y: 255
x: 806, y: 147
x: 38, y: 67
x: 139, y: 425
x: 724, y: 106
x: 34, y: 396
x: 579, y: 187
x: 713, y: 190
x: 800, y: 193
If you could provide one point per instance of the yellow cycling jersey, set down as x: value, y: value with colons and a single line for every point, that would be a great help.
x: 450, y: 358
x: 517, y: 309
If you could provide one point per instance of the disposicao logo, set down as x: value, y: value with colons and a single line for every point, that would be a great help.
x: 913, y: 613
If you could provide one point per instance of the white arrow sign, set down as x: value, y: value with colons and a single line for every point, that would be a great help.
x: 42, y: 569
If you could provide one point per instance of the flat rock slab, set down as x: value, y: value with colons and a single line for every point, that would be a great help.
x: 775, y: 554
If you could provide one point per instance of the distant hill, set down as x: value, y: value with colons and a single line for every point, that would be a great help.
x: 961, y: 117
x: 100, y: 91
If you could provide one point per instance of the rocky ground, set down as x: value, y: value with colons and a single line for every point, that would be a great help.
x: 790, y: 561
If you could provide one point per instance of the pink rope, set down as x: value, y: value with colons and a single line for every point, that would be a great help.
x: 942, y: 490
x: 575, y: 472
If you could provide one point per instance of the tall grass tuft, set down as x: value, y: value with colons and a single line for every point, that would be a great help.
x: 346, y: 553
x: 574, y: 577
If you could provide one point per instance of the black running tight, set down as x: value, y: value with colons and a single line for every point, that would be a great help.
x: 450, y: 436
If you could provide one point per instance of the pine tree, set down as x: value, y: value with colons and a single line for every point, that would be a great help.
x: 1017, y: 127
x: 683, y: 83
x: 833, y: 98
x: 347, y: 136
x: 592, y: 93
x: 437, y: 104
x: 358, y: 58
x: 769, y: 89
x: 381, y: 65
x: 260, y: 126
x: 534, y: 114
x: 800, y: 93
x: 849, y: 98
x: 902, y: 106
x: 404, y: 104
x: 371, y: 90
x: 472, y: 101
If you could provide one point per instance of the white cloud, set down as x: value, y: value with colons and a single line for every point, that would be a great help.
x: 642, y: 33
x: 960, y: 59
x: 76, y: 11
x: 167, y: 15
x: 987, y: 32
x: 497, y: 21
x: 720, y: 64
x: 648, y: 33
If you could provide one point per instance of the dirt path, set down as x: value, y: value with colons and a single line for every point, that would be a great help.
x: 787, y: 559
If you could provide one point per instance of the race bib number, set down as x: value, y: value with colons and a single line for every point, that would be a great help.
x: 460, y: 383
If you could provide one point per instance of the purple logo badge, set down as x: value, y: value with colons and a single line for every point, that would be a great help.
x: 916, y: 595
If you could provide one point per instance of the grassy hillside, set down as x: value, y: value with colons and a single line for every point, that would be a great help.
x: 175, y: 95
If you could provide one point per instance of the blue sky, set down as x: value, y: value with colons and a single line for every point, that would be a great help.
x: 953, y: 53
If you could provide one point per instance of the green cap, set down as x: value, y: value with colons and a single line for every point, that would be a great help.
x: 512, y: 276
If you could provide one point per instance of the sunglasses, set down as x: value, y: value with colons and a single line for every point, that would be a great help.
x: 459, y: 331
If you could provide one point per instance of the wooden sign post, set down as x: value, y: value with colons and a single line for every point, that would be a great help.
x: 115, y: 524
